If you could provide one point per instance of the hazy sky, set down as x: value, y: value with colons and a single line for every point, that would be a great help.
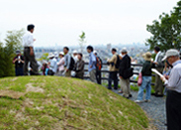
x: 61, y: 21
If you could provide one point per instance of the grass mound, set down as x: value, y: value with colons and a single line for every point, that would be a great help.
x: 63, y: 103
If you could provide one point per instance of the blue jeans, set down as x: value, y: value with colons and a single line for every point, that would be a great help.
x: 146, y: 83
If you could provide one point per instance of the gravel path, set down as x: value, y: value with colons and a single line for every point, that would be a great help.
x: 154, y: 109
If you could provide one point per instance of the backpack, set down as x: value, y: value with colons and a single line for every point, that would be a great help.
x: 98, y: 63
x: 117, y: 62
x: 72, y: 63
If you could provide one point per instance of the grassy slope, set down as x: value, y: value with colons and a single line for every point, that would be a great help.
x: 67, y: 104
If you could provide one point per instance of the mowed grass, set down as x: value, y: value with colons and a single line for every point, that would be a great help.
x: 67, y: 103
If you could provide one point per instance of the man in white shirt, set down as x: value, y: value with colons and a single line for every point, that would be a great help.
x: 159, y: 64
x: 29, y: 55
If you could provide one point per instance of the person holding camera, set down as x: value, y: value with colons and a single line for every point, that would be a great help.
x: 19, y: 63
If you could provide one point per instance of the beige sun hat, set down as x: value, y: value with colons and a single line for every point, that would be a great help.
x: 51, y: 55
x: 61, y: 53
x: 147, y: 56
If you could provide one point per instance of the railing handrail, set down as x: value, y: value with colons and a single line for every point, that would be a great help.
x: 107, y: 71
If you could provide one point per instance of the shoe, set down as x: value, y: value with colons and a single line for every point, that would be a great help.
x: 115, y: 88
x: 156, y: 95
x: 126, y: 97
x: 130, y: 95
x: 147, y: 100
x: 138, y: 101
x: 153, y: 94
x: 120, y: 92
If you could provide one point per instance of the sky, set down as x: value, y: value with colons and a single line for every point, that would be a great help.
x: 62, y: 21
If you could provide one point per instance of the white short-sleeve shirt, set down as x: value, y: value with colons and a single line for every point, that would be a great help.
x: 28, y: 39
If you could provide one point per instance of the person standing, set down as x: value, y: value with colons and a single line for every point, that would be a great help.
x: 75, y: 57
x: 61, y: 64
x: 113, y: 70
x: 159, y: 66
x: 146, y: 78
x: 173, y: 84
x: 67, y: 62
x: 29, y: 55
x: 98, y: 67
x: 79, y: 67
x: 53, y: 64
x: 125, y: 73
x: 19, y: 62
x: 92, y: 64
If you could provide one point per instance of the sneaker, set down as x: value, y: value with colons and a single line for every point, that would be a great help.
x: 147, y: 100
x: 138, y: 101
x: 120, y: 92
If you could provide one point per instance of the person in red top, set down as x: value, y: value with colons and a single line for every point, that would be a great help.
x: 19, y: 63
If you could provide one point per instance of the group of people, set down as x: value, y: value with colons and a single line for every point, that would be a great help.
x: 119, y: 64
x: 170, y: 66
x: 65, y: 65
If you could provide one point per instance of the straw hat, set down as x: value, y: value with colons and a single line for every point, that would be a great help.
x: 147, y: 56
x: 51, y: 55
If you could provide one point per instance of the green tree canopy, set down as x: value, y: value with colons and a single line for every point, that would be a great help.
x: 166, y: 32
x: 7, y: 52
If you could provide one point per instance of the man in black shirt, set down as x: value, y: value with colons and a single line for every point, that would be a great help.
x: 19, y: 62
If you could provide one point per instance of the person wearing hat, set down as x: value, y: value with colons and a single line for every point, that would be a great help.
x: 19, y: 63
x: 75, y: 57
x: 146, y: 78
x: 125, y: 72
x: 173, y: 84
x: 61, y: 64
x: 53, y: 64
x: 29, y: 55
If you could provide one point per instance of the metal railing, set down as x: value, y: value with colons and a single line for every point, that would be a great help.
x: 107, y: 72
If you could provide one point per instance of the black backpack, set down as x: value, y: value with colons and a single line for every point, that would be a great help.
x: 72, y: 63
x: 117, y: 62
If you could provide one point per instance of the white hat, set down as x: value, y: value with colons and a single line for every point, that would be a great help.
x: 75, y: 52
x: 51, y: 55
x: 171, y: 52
x: 61, y: 53
x: 94, y: 52
x: 56, y: 54
x: 124, y: 50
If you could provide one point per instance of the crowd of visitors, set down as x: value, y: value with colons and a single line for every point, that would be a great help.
x: 63, y: 64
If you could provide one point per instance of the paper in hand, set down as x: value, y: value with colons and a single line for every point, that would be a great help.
x: 158, y: 73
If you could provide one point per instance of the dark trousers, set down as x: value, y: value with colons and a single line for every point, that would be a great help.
x: 33, y: 63
x: 98, y: 76
x: 113, y: 76
x: 19, y: 71
x: 173, y: 110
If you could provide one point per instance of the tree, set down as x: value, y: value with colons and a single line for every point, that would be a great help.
x: 166, y: 32
x: 82, y: 41
x: 7, y: 52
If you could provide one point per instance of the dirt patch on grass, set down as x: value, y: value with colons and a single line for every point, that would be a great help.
x: 30, y: 88
x: 11, y: 94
